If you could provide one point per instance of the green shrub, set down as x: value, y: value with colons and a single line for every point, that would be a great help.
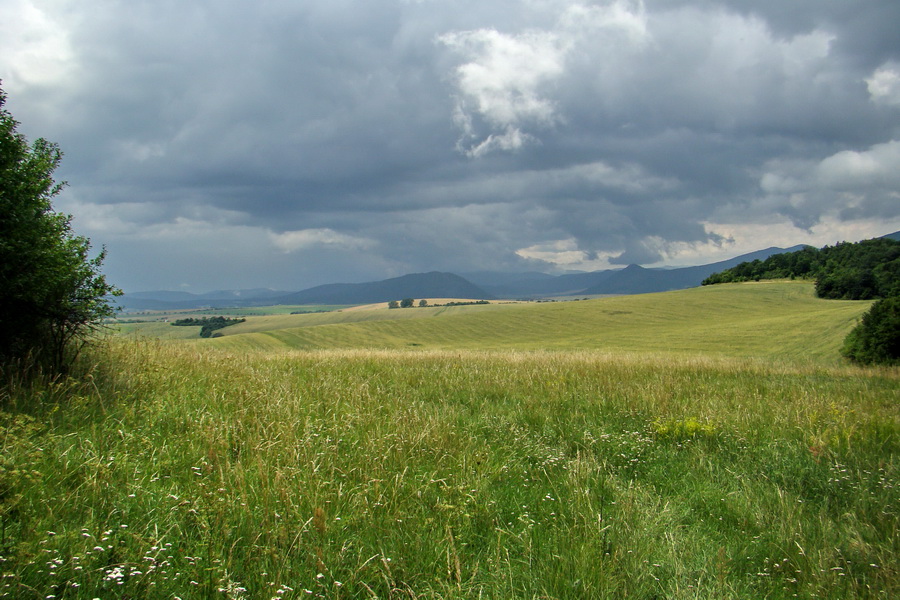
x: 53, y: 296
x: 876, y: 340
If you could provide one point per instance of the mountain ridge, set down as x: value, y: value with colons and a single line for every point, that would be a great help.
x: 433, y: 284
x: 635, y: 279
x: 632, y: 279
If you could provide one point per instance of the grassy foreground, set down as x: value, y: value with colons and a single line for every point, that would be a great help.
x: 172, y: 470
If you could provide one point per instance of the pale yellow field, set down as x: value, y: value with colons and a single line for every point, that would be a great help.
x: 774, y: 319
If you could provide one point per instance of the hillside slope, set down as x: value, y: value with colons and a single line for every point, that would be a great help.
x: 773, y: 319
x: 417, y: 285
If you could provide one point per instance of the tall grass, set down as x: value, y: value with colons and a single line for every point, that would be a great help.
x: 165, y: 471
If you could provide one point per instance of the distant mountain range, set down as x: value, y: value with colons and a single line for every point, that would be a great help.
x: 417, y: 285
x: 633, y: 279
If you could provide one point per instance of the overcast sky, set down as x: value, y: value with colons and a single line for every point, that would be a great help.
x: 224, y: 144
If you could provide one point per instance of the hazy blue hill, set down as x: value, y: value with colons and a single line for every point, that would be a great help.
x: 417, y: 285
x: 173, y: 300
x: 559, y: 285
x: 252, y: 294
x: 509, y: 285
x: 158, y: 300
x: 488, y: 278
x: 164, y: 296
x: 483, y: 284
x: 638, y: 280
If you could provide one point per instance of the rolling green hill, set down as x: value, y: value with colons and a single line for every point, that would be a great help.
x: 275, y: 318
x: 771, y: 319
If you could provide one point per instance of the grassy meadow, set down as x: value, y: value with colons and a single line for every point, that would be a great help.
x: 647, y: 453
x: 782, y: 320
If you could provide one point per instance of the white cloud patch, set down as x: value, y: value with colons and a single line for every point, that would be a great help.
x: 508, y: 81
x: 852, y: 185
x: 884, y: 84
x: 631, y: 178
x: 502, y: 82
x: 35, y: 45
x: 292, y: 241
x: 564, y: 254
x: 877, y: 168
x: 511, y: 139
x: 742, y: 238
x: 727, y: 240
x: 622, y: 18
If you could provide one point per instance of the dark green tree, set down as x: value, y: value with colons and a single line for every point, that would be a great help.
x: 407, y: 303
x: 876, y: 340
x: 52, y: 293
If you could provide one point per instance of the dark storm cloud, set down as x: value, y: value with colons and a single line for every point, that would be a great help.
x: 235, y: 144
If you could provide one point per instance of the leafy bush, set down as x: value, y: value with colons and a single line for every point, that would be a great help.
x: 876, y: 340
x: 52, y: 294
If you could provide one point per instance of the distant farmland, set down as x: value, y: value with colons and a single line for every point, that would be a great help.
x: 769, y: 319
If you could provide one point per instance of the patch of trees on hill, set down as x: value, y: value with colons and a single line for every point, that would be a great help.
x: 866, y: 270
x: 410, y: 302
x: 208, y: 324
x: 846, y: 271
x: 407, y: 303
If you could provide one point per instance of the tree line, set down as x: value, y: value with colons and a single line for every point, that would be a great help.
x: 410, y: 302
x: 847, y: 271
x: 208, y: 324
x: 866, y: 270
x: 407, y: 303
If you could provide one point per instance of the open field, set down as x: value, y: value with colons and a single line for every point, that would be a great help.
x: 275, y: 319
x: 773, y: 320
x: 133, y: 317
x: 686, y: 467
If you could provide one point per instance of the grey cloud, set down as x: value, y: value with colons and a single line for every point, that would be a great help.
x: 338, y: 139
